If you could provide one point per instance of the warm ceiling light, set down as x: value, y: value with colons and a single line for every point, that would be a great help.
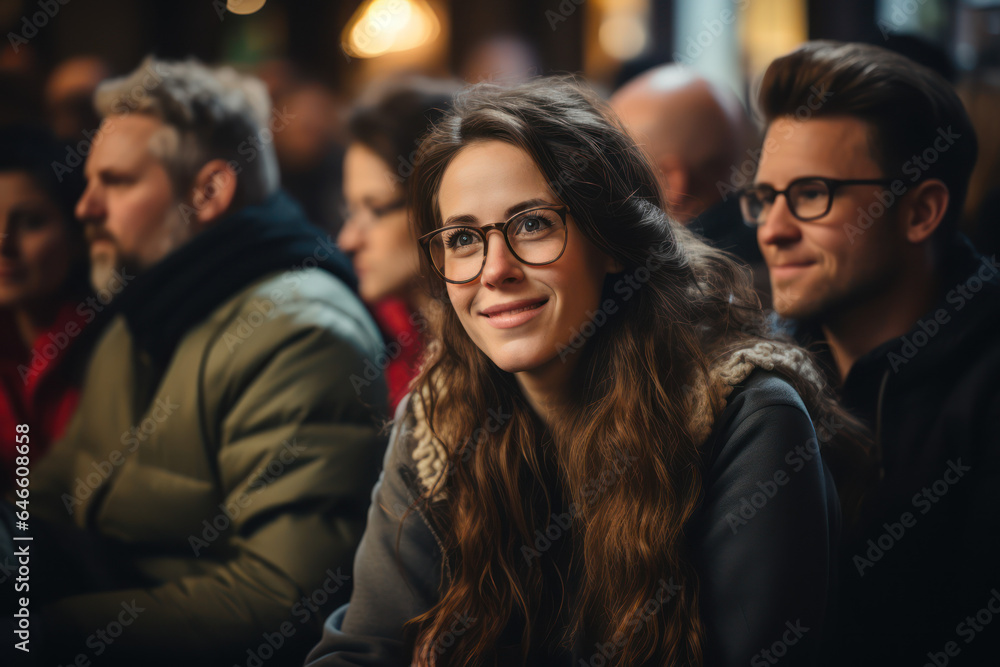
x: 623, y: 35
x: 244, y: 6
x: 384, y: 26
x: 772, y: 29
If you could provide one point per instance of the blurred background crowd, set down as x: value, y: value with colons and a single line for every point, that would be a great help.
x: 317, y: 57
x: 342, y: 73
x: 353, y: 86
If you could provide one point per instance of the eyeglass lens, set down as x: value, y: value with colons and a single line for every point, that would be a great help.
x: 807, y: 199
x: 536, y: 237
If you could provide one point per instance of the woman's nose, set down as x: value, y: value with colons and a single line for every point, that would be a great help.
x: 351, y: 236
x: 501, y: 265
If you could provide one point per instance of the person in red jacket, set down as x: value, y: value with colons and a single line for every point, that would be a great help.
x: 46, y: 308
x: 385, y: 129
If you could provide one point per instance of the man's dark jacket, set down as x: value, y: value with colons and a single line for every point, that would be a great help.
x: 923, y: 561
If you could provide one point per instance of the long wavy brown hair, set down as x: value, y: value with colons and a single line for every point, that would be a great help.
x: 632, y: 403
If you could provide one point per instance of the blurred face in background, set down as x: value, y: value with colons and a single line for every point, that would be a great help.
x: 376, y: 233
x: 37, y: 246
x: 132, y: 219
x: 304, y: 127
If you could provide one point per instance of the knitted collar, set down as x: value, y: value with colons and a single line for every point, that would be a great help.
x: 431, y: 456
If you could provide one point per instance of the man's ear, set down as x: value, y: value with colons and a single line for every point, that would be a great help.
x: 927, y: 204
x: 213, y: 191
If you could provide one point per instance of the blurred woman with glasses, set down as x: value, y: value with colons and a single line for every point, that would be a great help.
x: 385, y: 128
x: 608, y: 456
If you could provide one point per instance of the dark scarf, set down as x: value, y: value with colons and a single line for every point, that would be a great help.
x: 162, y: 304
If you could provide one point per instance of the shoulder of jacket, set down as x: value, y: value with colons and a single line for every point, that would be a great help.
x: 764, y: 388
x: 429, y: 455
x: 300, y: 298
x: 735, y: 368
x: 299, y: 288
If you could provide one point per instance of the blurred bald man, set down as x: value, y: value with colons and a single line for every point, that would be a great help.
x: 695, y: 132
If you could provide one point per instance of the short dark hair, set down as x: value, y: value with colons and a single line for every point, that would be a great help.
x: 32, y: 150
x: 907, y: 106
x: 393, y: 116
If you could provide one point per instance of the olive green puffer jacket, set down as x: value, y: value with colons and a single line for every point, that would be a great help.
x: 234, y: 482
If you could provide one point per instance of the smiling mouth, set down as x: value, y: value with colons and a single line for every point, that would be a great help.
x: 515, y: 314
x: 515, y: 311
x: 791, y: 267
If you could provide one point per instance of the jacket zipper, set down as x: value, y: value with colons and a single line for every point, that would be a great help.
x: 878, y: 424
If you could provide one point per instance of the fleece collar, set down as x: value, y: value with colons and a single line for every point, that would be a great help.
x: 431, y: 456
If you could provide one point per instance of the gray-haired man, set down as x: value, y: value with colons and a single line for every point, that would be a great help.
x: 220, y: 457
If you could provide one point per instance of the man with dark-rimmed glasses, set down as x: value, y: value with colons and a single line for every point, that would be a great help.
x: 856, y: 206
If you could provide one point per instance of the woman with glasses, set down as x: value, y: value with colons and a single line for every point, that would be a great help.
x: 607, y: 457
x: 385, y: 128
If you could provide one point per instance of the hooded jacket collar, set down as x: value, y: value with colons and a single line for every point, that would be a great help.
x: 161, y: 305
x: 960, y: 323
x: 964, y: 316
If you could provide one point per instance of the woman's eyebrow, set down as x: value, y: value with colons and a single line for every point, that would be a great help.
x: 524, y: 206
x: 511, y: 211
x: 465, y: 217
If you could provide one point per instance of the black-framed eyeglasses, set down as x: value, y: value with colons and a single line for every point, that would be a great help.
x: 536, y: 237
x: 808, y: 198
